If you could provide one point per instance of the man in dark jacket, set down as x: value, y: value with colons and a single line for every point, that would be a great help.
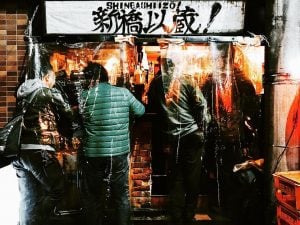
x: 106, y: 112
x: 41, y: 181
x: 180, y: 102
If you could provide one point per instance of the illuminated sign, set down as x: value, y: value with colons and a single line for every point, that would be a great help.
x: 144, y: 17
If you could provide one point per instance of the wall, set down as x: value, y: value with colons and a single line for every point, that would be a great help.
x: 12, y: 51
x: 140, y: 165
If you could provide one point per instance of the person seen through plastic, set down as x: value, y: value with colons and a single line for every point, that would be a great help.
x: 106, y: 112
x: 185, y: 114
x: 40, y: 177
x: 232, y: 138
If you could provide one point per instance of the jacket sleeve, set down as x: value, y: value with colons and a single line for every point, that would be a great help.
x: 201, y: 113
x: 61, y: 103
x: 136, y: 107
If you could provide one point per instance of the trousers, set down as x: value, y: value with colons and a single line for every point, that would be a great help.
x: 41, y: 185
x: 184, y: 177
x: 104, y: 179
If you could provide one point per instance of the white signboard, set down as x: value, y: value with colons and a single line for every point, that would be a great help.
x: 144, y: 17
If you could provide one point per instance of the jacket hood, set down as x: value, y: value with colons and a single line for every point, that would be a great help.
x: 29, y: 86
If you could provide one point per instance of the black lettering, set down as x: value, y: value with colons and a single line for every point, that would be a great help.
x: 115, y: 5
x: 178, y: 6
x: 216, y: 8
x: 155, y: 21
x: 186, y: 18
x: 165, y: 5
x: 172, y: 5
x: 108, y: 5
x: 101, y: 20
x: 138, y: 5
x: 148, y: 5
x: 126, y: 5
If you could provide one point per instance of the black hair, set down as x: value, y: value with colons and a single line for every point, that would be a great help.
x: 44, y: 70
x: 61, y: 75
x: 95, y: 71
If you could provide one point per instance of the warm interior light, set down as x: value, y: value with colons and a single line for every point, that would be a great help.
x: 112, y: 66
x: 250, y: 59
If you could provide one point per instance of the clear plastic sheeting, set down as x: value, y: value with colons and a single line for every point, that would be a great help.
x: 229, y: 79
x: 70, y: 59
x: 229, y: 76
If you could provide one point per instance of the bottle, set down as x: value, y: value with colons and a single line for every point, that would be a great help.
x: 137, y: 75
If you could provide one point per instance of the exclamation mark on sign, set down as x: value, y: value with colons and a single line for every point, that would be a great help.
x: 216, y: 8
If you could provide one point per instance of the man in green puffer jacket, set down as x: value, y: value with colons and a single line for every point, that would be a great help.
x: 106, y: 111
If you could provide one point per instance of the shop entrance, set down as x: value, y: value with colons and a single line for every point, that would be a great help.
x: 228, y: 72
x: 230, y: 76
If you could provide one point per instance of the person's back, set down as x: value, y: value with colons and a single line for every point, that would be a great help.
x: 185, y: 106
x: 41, y: 180
x: 41, y: 122
x: 184, y: 109
x: 179, y: 101
x: 107, y: 111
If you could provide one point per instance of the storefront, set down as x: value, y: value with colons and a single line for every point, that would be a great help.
x: 205, y: 41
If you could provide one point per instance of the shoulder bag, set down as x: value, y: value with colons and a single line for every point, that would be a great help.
x: 10, y: 134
